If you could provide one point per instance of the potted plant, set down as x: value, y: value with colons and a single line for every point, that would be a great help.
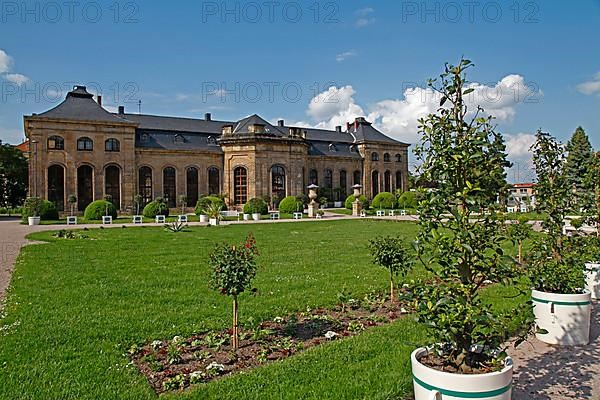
x: 462, y: 249
x: 256, y: 207
x: 562, y: 306
x: 33, y: 207
x: 213, y: 212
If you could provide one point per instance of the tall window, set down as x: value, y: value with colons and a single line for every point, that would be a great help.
x: 145, y: 185
x: 399, y: 180
x: 85, y: 186
x: 328, y: 179
x: 240, y: 185
x: 112, y: 184
x: 374, y: 183
x: 214, y: 185
x: 56, y: 186
x: 192, y: 186
x: 356, y: 178
x: 169, y: 187
x: 85, y: 144
x: 278, y: 182
x: 343, y: 184
x: 387, y: 181
x: 112, y: 145
x: 56, y: 143
x: 374, y: 157
x: 313, y: 177
x: 386, y: 157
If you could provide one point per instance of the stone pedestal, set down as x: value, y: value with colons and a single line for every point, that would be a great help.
x: 356, y: 208
x: 313, y: 207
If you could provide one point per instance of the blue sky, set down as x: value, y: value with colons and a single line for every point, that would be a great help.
x: 537, y: 63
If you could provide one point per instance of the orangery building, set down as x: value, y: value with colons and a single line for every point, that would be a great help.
x: 78, y: 148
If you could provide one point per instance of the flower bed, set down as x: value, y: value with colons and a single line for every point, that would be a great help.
x: 180, y: 362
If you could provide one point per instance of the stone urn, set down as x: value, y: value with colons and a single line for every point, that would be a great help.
x: 356, y: 205
x: 313, y: 206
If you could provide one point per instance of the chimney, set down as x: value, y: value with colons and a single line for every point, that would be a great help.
x: 347, y: 126
x: 338, y: 128
x: 281, y: 123
x: 121, y: 109
x: 208, y: 116
x: 99, y: 100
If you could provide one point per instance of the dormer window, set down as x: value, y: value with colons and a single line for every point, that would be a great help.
x: 178, y: 139
x: 56, y: 143
x: 227, y: 130
x: 211, y: 140
x: 332, y: 147
x: 144, y: 137
x: 256, y: 128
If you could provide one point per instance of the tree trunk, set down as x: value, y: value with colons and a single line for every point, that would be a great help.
x: 391, y: 287
x: 235, y: 323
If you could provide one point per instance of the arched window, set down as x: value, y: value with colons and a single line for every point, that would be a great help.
x: 214, y: 184
x: 112, y: 145
x: 356, y: 178
x: 211, y: 140
x: 192, y: 186
x: 328, y: 179
x: 387, y: 181
x: 343, y: 184
x: 169, y: 187
x: 374, y: 157
x: 277, y: 182
x: 85, y: 144
x: 145, y: 185
x: 374, y: 183
x: 85, y: 186
x: 399, y: 180
x: 313, y: 177
x: 240, y: 185
x: 386, y: 157
x: 56, y: 143
x: 398, y: 158
x: 56, y: 186
x: 112, y: 184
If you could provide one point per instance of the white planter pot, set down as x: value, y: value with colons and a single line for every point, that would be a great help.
x: 566, y: 317
x: 337, y: 204
x: 246, y: 217
x: 592, y: 279
x: 203, y: 218
x: 431, y: 384
x: 213, y: 221
x: 33, y: 221
x: 256, y: 217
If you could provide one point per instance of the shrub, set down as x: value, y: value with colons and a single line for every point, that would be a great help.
x: 290, y: 205
x: 390, y: 253
x: 204, y: 202
x: 156, y: 207
x: 256, y: 206
x: 97, y: 209
x: 407, y: 200
x: 36, y: 207
x: 350, y: 199
x: 384, y: 200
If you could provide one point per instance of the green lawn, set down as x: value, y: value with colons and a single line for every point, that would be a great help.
x: 75, y: 306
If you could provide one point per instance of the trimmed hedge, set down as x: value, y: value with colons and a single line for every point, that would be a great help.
x: 384, y: 200
x: 290, y: 205
x: 256, y: 206
x: 407, y: 200
x: 97, y: 209
x: 48, y: 211
x: 156, y: 207
x: 208, y: 200
x: 350, y: 199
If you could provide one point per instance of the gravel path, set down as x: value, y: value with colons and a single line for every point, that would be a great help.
x: 542, y: 371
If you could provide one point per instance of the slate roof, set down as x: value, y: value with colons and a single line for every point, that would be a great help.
x: 169, y: 140
x: 333, y: 149
x: 176, y: 124
x: 241, y: 127
x: 363, y: 131
x: 80, y: 106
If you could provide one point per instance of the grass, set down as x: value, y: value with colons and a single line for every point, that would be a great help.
x: 76, y: 306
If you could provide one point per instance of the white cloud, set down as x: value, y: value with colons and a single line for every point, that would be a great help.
x: 590, y: 87
x: 398, y: 117
x: 364, y: 17
x: 518, y: 148
x: 17, y: 79
x: 5, y: 62
x: 345, y: 55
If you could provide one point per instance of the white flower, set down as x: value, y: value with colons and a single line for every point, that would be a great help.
x: 331, y: 335
x: 278, y: 320
x: 196, y: 377
x: 216, y: 366
x: 177, y: 340
x: 156, y: 344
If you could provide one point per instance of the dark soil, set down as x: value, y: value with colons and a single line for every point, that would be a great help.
x: 438, y: 363
x: 178, y: 363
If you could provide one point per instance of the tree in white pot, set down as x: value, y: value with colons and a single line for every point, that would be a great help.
x: 33, y: 208
x: 213, y: 211
x: 462, y: 249
x: 556, y: 265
